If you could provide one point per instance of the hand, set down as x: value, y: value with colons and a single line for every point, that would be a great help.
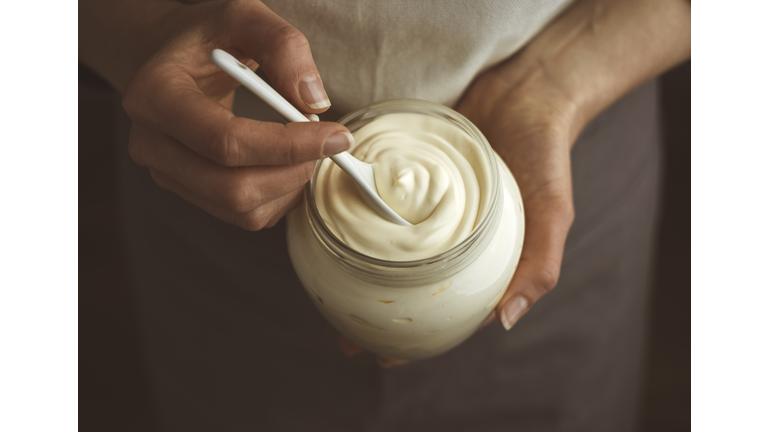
x: 532, y: 127
x: 532, y: 107
x: 245, y: 172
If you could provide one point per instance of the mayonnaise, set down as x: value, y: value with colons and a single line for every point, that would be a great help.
x: 451, y: 186
x: 427, y: 170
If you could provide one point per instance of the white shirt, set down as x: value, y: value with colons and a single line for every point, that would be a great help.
x: 371, y: 50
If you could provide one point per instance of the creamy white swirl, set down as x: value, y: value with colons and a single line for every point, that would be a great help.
x: 425, y: 170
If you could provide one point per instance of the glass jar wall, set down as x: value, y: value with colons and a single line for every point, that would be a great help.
x: 412, y: 309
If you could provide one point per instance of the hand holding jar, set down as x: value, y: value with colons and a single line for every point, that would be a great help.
x: 533, y: 106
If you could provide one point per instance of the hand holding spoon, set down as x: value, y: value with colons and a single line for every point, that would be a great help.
x: 360, y: 172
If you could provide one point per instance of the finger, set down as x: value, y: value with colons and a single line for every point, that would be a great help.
x: 170, y: 101
x: 284, y: 54
x: 388, y: 362
x: 348, y: 347
x: 265, y: 216
x: 238, y: 190
x: 488, y: 320
x: 298, y: 198
x: 547, y: 223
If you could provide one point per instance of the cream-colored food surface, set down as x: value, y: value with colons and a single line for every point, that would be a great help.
x: 425, y: 170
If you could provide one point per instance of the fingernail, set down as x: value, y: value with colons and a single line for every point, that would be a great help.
x: 387, y: 363
x: 512, y: 311
x: 313, y: 118
x: 338, y: 143
x: 312, y: 92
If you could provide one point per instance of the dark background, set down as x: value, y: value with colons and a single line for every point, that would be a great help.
x: 114, y: 392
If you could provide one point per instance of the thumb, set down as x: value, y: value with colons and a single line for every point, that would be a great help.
x: 283, y: 52
x: 547, y: 225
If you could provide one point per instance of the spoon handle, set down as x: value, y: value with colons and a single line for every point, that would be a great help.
x: 254, y: 83
x: 265, y: 92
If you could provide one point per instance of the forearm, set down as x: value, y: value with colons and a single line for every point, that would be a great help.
x: 597, y: 51
x: 115, y: 37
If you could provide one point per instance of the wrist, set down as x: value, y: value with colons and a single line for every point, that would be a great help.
x: 596, y: 52
x: 543, y: 103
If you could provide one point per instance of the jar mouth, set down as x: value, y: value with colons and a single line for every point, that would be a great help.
x: 437, y: 264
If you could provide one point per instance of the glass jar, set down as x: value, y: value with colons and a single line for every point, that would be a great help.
x: 411, y: 309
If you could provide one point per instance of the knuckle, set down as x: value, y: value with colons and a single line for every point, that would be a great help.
x: 272, y: 222
x: 562, y: 207
x: 238, y: 196
x: 567, y: 211
x: 129, y: 99
x: 299, y: 143
x: 223, y: 145
x: 159, y: 179
x: 292, y: 148
x: 548, y: 277
x: 305, y: 171
x: 137, y: 151
x: 287, y: 38
x: 255, y: 221
x: 138, y: 92
x: 155, y: 177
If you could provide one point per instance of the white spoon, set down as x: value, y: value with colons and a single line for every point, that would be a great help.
x: 360, y: 172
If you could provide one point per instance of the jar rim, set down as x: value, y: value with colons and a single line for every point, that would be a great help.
x: 438, y: 264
